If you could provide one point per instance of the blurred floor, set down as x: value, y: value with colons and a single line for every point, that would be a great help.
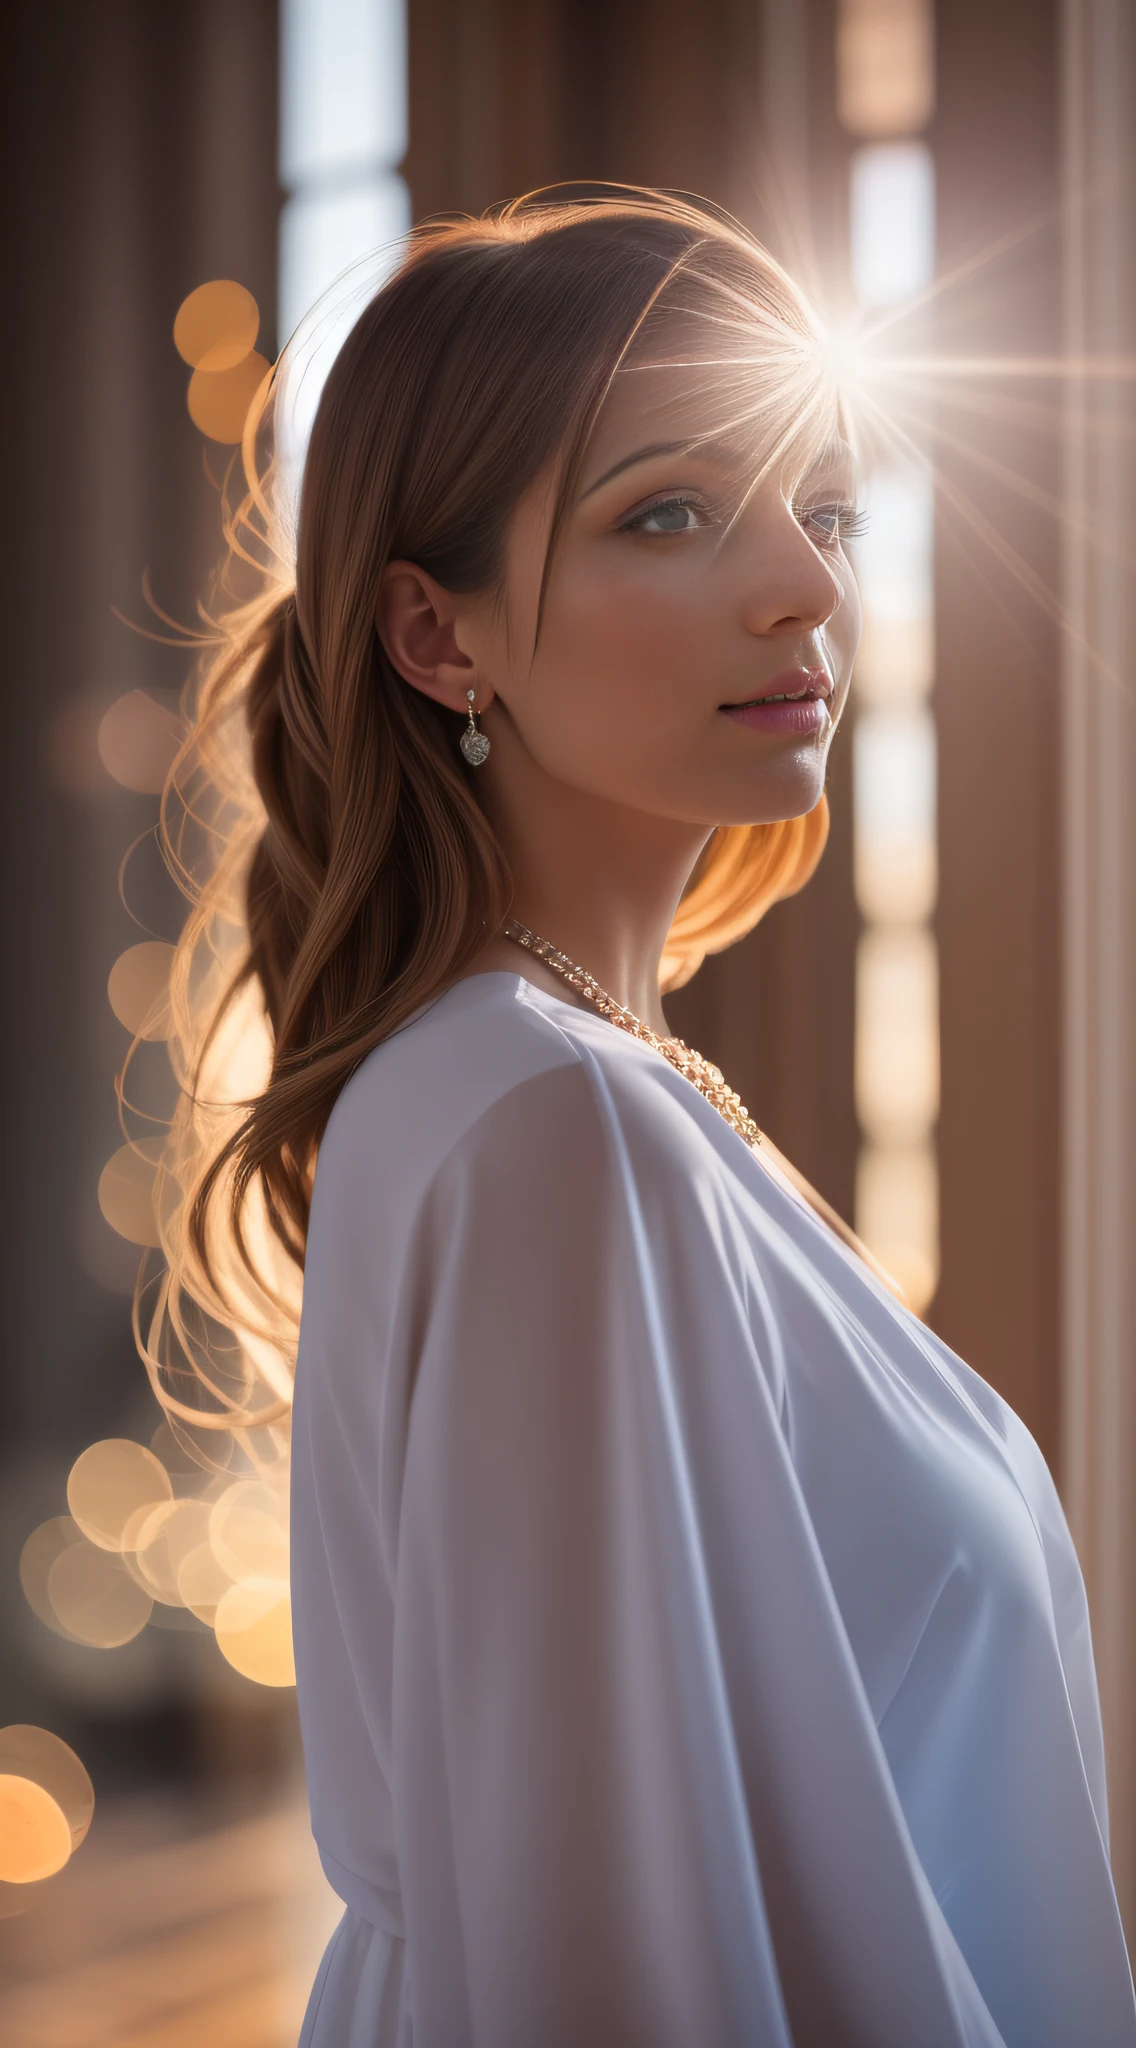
x: 161, y: 1935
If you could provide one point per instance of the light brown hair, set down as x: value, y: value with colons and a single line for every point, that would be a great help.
x: 340, y: 868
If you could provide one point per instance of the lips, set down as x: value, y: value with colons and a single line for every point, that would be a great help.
x: 793, y: 686
x: 793, y: 704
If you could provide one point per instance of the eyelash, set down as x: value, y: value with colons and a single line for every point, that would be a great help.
x: 635, y: 524
x: 848, y: 523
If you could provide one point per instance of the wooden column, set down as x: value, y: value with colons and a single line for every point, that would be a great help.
x: 997, y: 705
x: 1098, y: 768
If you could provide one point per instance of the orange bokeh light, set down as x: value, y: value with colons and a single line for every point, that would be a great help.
x: 35, y: 1840
x: 216, y: 326
x: 219, y: 400
x: 34, y: 1753
x: 254, y: 1631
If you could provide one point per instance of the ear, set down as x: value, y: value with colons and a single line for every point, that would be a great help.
x: 416, y: 622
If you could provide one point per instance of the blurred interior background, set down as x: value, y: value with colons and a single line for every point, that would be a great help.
x: 939, y: 1029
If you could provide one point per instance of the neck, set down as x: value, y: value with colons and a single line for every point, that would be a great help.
x: 599, y: 881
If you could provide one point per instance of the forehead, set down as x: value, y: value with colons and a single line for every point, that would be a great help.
x: 742, y: 416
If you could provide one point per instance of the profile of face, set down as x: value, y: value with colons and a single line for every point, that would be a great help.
x: 688, y: 656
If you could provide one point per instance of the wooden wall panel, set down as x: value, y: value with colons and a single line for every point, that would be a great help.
x: 997, y: 706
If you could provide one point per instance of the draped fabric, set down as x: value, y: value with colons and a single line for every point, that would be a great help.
x: 691, y: 1650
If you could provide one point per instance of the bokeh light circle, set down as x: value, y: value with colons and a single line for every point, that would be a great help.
x: 109, y: 1482
x: 138, y: 740
x: 37, y: 1557
x: 254, y: 1631
x: 29, y: 1752
x: 216, y: 326
x: 167, y: 1536
x: 139, y: 988
x: 202, y: 1583
x: 97, y: 1600
x: 248, y: 1530
x: 126, y: 1191
x: 219, y: 400
x: 35, y: 1840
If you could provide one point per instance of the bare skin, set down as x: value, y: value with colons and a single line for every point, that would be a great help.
x: 611, y: 758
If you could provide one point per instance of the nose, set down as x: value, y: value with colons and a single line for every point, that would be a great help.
x: 794, y: 588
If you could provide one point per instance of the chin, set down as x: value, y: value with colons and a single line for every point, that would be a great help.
x: 791, y: 792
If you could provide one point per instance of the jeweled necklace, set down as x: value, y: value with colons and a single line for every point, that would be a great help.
x: 708, y: 1079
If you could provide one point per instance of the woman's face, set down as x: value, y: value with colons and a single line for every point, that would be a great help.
x: 693, y: 659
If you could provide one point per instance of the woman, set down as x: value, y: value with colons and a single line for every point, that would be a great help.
x: 691, y: 1651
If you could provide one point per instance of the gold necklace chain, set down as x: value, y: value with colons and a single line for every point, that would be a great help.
x: 708, y: 1079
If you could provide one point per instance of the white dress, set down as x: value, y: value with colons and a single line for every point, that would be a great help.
x: 691, y: 1650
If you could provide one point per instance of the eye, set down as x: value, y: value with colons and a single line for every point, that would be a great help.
x: 832, y: 523
x: 666, y: 515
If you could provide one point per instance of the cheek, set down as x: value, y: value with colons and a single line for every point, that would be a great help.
x: 645, y: 633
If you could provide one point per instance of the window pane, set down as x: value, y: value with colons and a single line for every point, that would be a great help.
x: 893, y: 221
x: 897, y: 1035
x: 897, y: 1215
x: 342, y: 87
x: 894, y: 782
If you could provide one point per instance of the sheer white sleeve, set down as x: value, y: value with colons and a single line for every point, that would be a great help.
x: 637, y: 1791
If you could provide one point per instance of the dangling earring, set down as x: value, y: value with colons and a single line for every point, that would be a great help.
x: 473, y: 744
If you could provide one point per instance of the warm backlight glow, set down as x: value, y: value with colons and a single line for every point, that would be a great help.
x: 216, y: 326
x: 138, y: 739
x: 139, y: 988
x: 219, y: 400
x: 35, y: 1840
x: 107, y: 1485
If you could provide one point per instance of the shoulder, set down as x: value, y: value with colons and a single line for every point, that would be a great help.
x: 497, y: 1070
x: 416, y: 1096
x: 502, y: 1141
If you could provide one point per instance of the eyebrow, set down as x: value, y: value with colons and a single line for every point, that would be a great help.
x: 640, y: 455
x: 834, y: 456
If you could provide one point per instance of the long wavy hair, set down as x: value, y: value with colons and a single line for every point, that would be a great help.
x: 339, y: 867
